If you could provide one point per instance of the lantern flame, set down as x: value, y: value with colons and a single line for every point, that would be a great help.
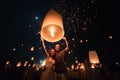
x: 52, y: 32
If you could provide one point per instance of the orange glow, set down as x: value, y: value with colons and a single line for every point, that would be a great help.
x: 110, y: 37
x: 93, y: 57
x: 82, y: 66
x: 52, y: 27
x: 32, y: 48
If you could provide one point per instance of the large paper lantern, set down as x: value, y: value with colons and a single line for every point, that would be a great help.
x: 93, y: 57
x: 52, y: 27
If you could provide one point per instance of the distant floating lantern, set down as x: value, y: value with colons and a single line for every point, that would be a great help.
x: 7, y: 62
x: 32, y: 58
x: 18, y: 64
x: 110, y: 37
x: 25, y: 64
x: 93, y: 57
x: 72, y: 66
x: 52, y: 27
x: 82, y: 66
x: 32, y: 48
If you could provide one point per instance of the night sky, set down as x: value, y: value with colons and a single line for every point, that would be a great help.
x: 88, y: 25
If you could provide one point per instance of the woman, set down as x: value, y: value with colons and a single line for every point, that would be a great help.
x: 49, y: 73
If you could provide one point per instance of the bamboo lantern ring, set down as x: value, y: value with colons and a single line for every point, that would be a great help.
x: 52, y: 27
x: 93, y: 57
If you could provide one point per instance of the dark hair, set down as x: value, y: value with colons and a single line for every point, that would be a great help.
x: 49, y: 51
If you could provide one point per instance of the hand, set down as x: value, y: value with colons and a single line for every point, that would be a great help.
x: 64, y: 38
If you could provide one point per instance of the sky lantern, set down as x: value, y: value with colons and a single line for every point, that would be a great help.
x: 93, y: 57
x: 72, y: 66
x: 18, y: 64
x: 52, y: 27
x: 32, y: 58
x: 8, y: 62
x: 82, y: 66
x: 25, y: 64
x: 32, y: 48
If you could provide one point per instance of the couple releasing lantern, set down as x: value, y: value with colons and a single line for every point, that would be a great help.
x: 52, y: 31
x: 52, y: 27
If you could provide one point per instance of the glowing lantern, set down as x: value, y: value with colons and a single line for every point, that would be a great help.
x: 29, y: 65
x: 93, y: 57
x: 52, y: 27
x: 34, y: 65
x: 32, y: 58
x: 25, y: 64
x: 82, y: 66
x: 32, y: 48
x: 18, y: 64
x: 7, y: 62
x: 72, y: 66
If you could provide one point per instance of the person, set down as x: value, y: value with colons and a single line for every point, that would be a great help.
x: 60, y: 66
x: 49, y: 73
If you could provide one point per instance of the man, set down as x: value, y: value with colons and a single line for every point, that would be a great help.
x: 60, y: 66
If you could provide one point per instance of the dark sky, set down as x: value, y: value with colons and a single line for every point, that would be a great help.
x: 19, y: 26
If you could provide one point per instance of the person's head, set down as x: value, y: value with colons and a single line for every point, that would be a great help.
x: 57, y: 47
x: 52, y: 52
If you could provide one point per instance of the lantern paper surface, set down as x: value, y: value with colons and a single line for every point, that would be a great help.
x: 52, y: 27
x: 82, y: 66
x: 93, y: 57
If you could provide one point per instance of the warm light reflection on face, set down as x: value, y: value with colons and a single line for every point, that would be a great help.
x: 57, y: 47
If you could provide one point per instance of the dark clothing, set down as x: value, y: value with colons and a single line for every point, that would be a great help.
x: 60, y: 66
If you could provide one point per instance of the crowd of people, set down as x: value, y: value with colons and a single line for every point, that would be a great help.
x: 56, y: 69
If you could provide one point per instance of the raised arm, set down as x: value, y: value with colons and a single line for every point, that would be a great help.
x: 67, y: 44
x: 43, y: 44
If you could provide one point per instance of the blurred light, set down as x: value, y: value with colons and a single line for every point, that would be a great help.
x: 69, y: 52
x: 76, y: 61
x: 117, y: 63
x: 73, y: 39
x: 72, y: 66
x: 75, y: 57
x: 25, y: 64
x: 43, y: 62
x: 74, y: 45
x: 110, y: 37
x: 36, y: 18
x: 18, y: 64
x: 92, y: 66
x: 34, y: 65
x: 37, y: 68
x: 32, y: 58
x: 82, y: 66
x: 39, y: 47
x: 78, y: 64
x: 29, y: 65
x: 14, y: 49
x: 81, y: 41
x: 29, y: 25
x: 86, y: 40
x: 8, y: 62
x: 22, y: 44
x: 62, y: 44
x: 32, y: 48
